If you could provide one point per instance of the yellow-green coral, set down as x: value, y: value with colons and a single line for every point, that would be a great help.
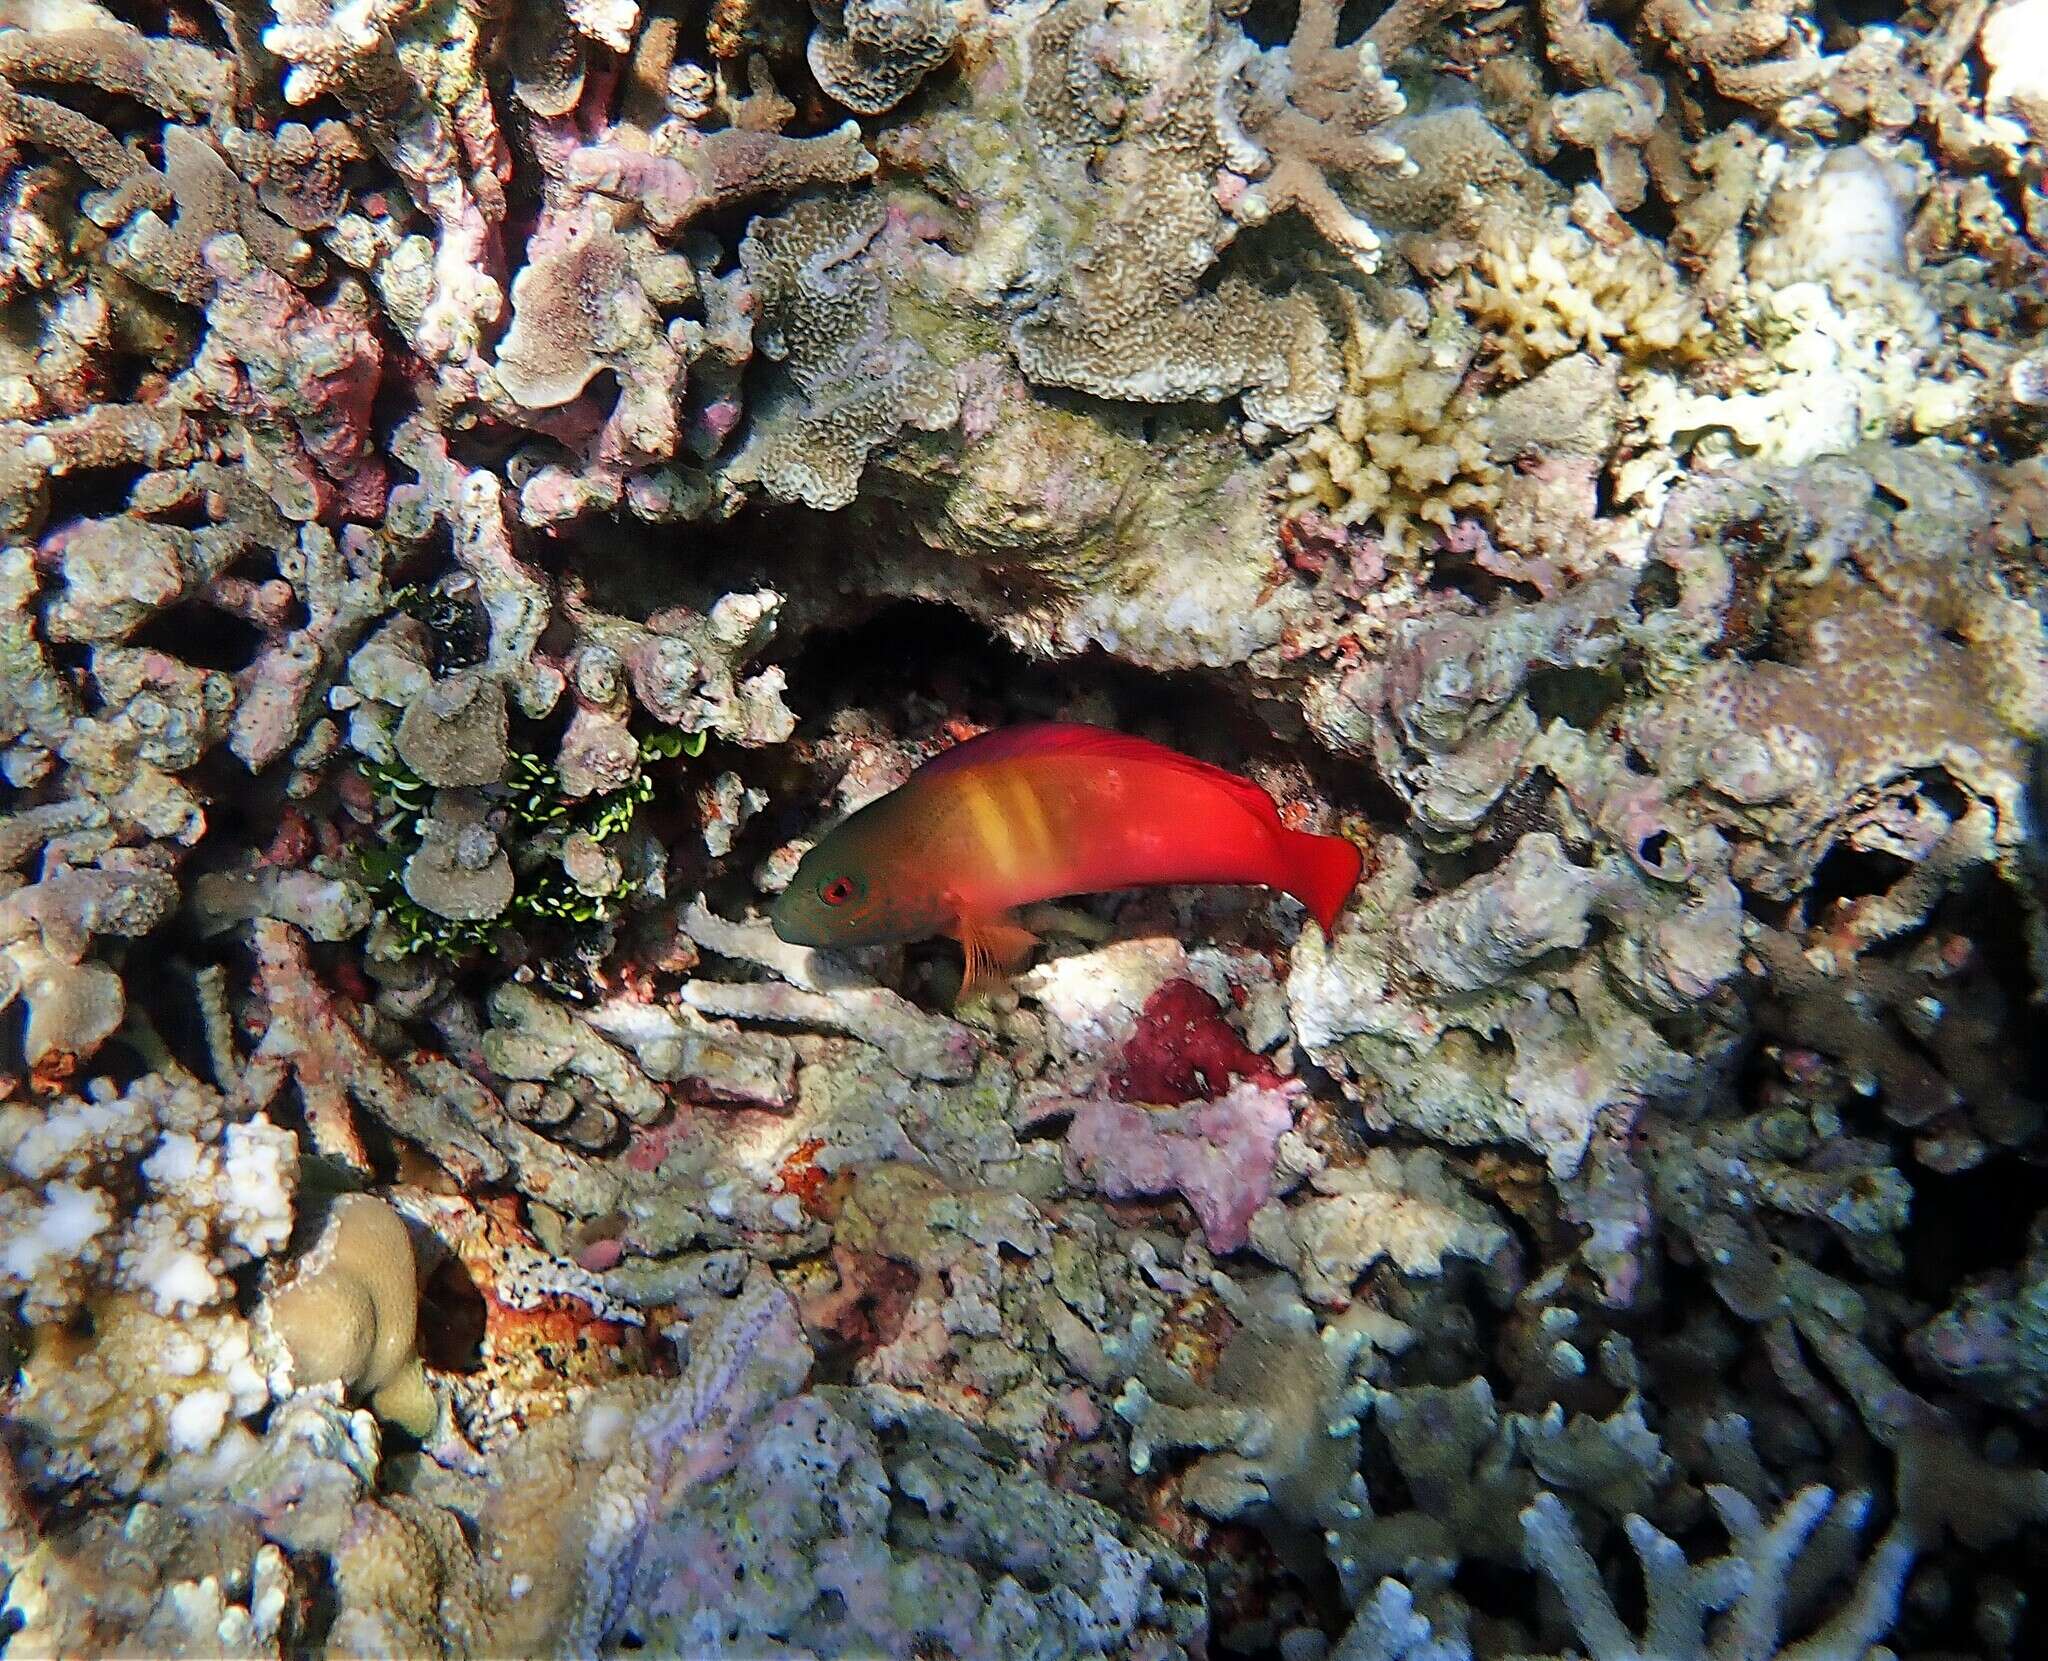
x: 1407, y: 446
x: 1542, y: 289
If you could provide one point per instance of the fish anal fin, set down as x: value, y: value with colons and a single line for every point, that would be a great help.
x: 995, y: 949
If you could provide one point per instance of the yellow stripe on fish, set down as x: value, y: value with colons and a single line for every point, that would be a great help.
x: 992, y: 825
x: 1030, y: 818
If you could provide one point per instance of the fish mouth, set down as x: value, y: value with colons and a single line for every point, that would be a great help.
x: 788, y: 929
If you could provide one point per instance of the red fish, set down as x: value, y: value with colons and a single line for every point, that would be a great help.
x: 1034, y: 812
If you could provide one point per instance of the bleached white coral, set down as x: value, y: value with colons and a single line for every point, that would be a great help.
x: 59, y: 1231
x: 1828, y: 384
x: 1849, y: 216
x: 132, y: 1207
x: 143, y: 1191
x: 145, y: 1386
x: 209, y: 1208
x: 1847, y: 343
x: 2011, y: 44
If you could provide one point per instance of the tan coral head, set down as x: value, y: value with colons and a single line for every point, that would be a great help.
x: 350, y: 1312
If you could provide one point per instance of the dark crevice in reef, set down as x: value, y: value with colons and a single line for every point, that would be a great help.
x: 634, y: 569
x: 452, y: 1334
x: 1967, y: 1223
x: 1270, y: 22
x: 908, y: 650
x: 911, y: 648
x: 1582, y: 697
x: 1851, y: 873
x: 86, y: 492
x: 1843, y: 18
x: 203, y: 636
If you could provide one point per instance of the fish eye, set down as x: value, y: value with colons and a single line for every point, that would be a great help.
x: 836, y: 890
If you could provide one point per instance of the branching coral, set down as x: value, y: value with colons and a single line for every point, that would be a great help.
x: 1615, y: 108
x: 1407, y: 447
x: 1387, y: 1627
x: 1539, y: 293
x: 1277, y: 1426
x: 1783, y: 1166
x: 310, y: 1038
x: 1410, y: 1210
x: 1312, y: 109
x: 1755, y: 1582
x: 447, y: 553
x: 1753, y: 54
x: 569, y: 1079
x: 410, y: 77
x: 1909, y: 1030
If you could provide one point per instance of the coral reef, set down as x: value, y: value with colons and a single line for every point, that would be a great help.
x: 483, y: 486
x: 858, y: 1510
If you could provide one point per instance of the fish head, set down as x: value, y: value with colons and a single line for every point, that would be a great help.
x: 843, y: 897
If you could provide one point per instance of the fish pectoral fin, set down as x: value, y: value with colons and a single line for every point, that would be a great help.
x: 995, y: 948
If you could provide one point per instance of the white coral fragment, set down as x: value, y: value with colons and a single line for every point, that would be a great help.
x: 1409, y: 1209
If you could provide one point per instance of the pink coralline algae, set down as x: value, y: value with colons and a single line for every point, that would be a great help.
x: 486, y: 486
x: 1217, y: 1155
x: 271, y: 349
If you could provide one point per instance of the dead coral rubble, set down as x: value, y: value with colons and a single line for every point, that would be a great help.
x: 449, y: 454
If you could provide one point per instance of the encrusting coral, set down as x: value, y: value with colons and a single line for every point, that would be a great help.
x: 869, y: 54
x: 484, y: 485
x: 1124, y: 314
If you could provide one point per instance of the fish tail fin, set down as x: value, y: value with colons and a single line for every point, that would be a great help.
x: 995, y: 949
x: 1320, y: 871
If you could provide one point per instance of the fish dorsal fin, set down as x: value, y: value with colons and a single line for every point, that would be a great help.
x: 1037, y: 739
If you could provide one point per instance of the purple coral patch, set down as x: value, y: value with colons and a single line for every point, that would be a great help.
x: 1218, y: 1156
